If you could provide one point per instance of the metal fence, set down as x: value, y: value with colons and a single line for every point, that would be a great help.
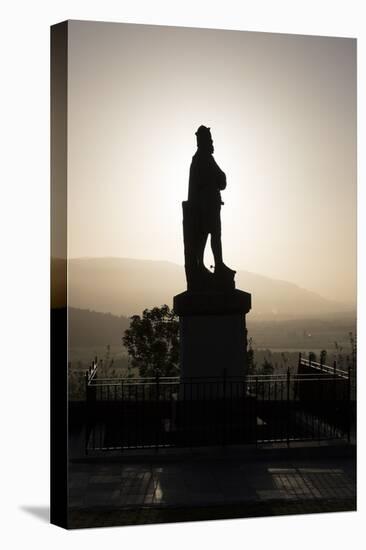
x: 160, y: 412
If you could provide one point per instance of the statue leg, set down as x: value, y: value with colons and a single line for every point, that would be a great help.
x: 201, y: 245
x: 216, y: 247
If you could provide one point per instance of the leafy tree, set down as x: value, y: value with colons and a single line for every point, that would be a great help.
x: 353, y: 342
x: 323, y: 356
x: 267, y: 367
x: 152, y: 342
x: 312, y: 357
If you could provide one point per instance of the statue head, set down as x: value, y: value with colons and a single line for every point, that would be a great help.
x: 204, y: 139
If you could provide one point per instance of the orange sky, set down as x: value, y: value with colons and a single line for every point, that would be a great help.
x: 282, y: 109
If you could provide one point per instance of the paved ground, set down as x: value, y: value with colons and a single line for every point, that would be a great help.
x: 105, y: 493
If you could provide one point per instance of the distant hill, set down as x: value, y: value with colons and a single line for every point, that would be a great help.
x: 126, y: 287
x: 93, y: 329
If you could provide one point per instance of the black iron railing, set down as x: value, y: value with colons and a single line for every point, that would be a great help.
x: 125, y: 413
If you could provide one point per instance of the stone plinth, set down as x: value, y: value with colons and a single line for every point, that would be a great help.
x: 213, y: 340
x: 212, y: 303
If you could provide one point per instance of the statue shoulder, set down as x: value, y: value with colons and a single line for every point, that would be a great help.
x: 197, y: 162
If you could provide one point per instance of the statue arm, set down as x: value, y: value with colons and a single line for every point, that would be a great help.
x: 220, y: 176
x: 221, y: 179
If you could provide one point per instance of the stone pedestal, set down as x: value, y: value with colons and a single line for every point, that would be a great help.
x: 213, y: 340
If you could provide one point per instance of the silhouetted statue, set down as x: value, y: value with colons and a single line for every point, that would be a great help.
x: 201, y: 217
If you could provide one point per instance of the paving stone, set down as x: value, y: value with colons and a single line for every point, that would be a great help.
x: 191, y: 483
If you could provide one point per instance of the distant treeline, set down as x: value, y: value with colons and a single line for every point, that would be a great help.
x: 303, y: 334
x: 93, y: 329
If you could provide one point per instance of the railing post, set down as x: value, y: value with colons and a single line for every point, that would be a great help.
x: 256, y: 411
x: 335, y: 400
x: 86, y: 412
x: 224, y: 401
x: 95, y: 388
x: 157, y: 389
x: 123, y: 419
x: 299, y: 363
x: 288, y: 405
x: 86, y: 378
x: 350, y: 415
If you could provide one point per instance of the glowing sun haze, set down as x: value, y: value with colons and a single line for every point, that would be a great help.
x: 282, y: 111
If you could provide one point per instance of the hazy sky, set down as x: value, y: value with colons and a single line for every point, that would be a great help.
x: 282, y: 111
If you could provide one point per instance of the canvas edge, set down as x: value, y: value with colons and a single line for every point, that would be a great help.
x: 58, y: 268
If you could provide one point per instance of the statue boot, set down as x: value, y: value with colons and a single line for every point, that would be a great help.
x: 224, y: 270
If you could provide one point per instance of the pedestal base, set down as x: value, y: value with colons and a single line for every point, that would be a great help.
x: 213, y: 346
x: 213, y: 340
